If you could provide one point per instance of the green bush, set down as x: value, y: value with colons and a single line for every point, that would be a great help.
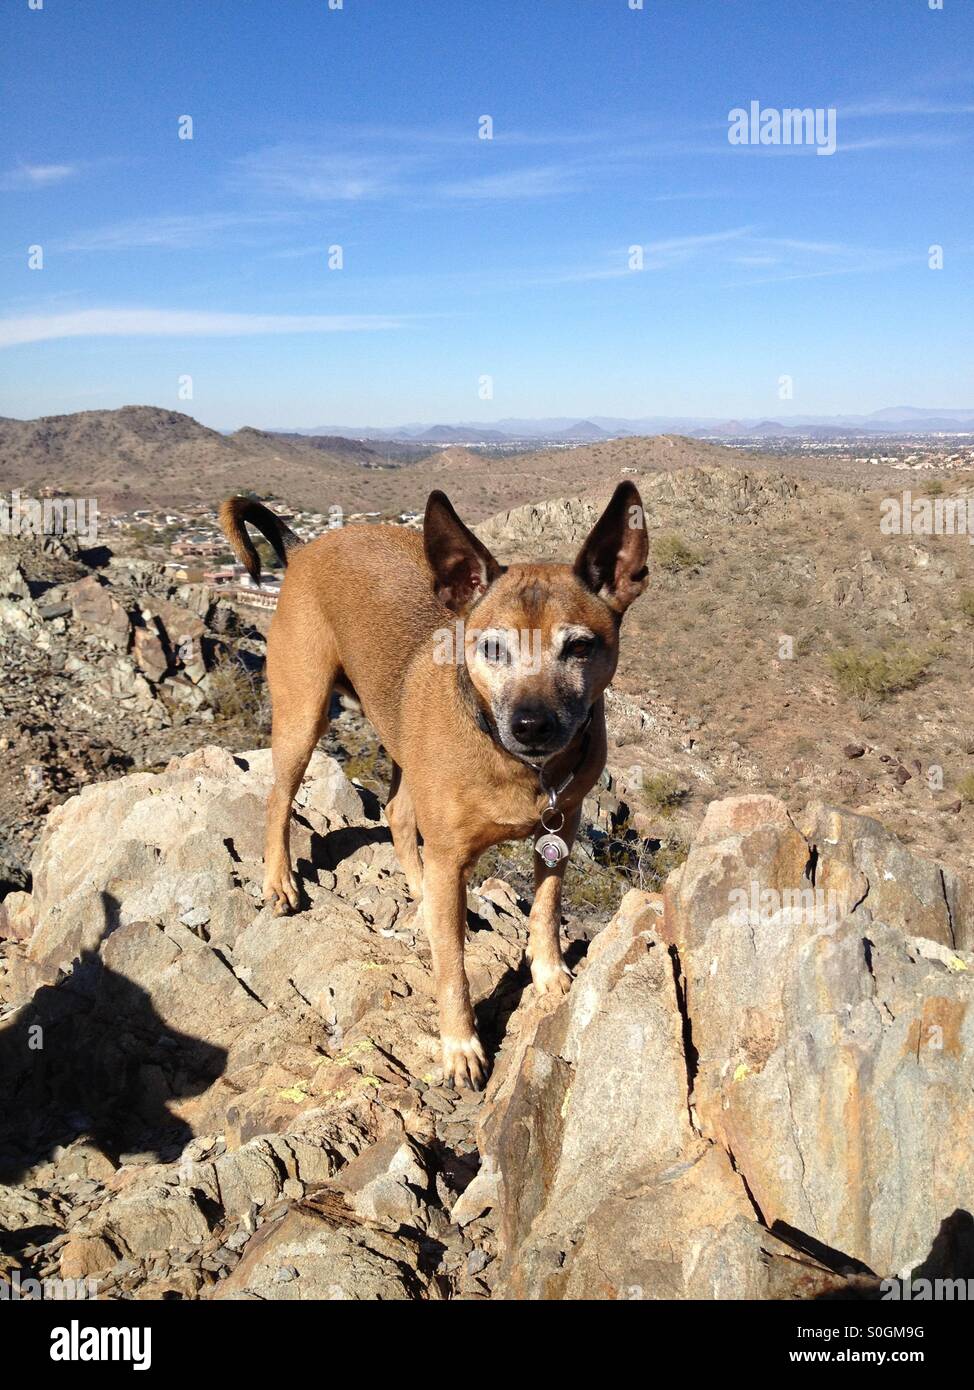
x: 662, y: 793
x: 872, y: 673
x: 672, y: 554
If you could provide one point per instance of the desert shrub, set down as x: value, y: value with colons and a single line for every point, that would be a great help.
x: 933, y: 487
x: 965, y: 603
x: 640, y: 863
x: 966, y: 787
x: 672, y: 554
x: 871, y: 673
x: 239, y: 696
x: 593, y: 887
x: 513, y: 861
x: 662, y: 793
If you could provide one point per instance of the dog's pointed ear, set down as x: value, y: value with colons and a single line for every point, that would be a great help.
x: 612, y: 562
x: 462, y: 567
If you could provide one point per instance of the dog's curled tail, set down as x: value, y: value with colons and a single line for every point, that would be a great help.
x: 235, y: 512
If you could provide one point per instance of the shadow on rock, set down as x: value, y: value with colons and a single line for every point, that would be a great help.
x: 493, y: 1013
x: 950, y: 1261
x: 328, y: 851
x: 90, y: 1057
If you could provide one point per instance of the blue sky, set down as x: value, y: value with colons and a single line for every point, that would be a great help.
x: 467, y: 258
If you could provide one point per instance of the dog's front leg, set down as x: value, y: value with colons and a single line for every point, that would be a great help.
x: 445, y: 915
x: 549, y: 972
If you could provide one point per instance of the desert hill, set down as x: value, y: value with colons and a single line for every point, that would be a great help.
x: 784, y: 643
x: 142, y: 456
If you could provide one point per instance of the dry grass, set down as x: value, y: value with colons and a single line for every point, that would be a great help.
x: 369, y: 766
x: 874, y: 674
x: 641, y: 863
x: 672, y: 554
x: 239, y: 697
x: 662, y: 794
x: 592, y: 886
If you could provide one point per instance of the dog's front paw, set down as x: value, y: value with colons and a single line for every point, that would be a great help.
x: 464, y: 1063
x: 281, y: 891
x: 551, y: 977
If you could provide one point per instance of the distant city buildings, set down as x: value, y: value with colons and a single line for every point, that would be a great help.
x: 188, y: 541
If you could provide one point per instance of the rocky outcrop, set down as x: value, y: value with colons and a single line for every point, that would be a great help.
x: 834, y: 1037
x: 108, y: 664
x: 732, y: 494
x: 757, y: 1087
x: 223, y: 1064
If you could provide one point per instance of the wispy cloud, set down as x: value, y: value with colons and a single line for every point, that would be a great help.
x: 316, y: 175
x: 907, y: 140
x: 814, y: 260
x: 37, y: 176
x: 177, y: 232
x: 179, y: 323
x: 799, y: 258
x: 683, y: 246
x: 367, y: 165
x: 742, y: 248
x: 657, y: 255
x: 538, y: 182
x: 905, y: 106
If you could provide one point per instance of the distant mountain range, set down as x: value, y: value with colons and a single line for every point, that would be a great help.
x: 144, y: 456
x: 903, y: 419
x: 140, y: 456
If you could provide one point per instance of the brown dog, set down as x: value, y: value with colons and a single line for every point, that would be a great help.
x: 484, y: 684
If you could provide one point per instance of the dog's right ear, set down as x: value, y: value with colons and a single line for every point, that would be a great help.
x: 612, y: 562
x: 462, y: 567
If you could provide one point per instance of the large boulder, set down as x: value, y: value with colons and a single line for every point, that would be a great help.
x: 831, y: 1027
x: 757, y: 1087
x: 865, y: 870
x: 95, y: 608
x: 598, y: 1181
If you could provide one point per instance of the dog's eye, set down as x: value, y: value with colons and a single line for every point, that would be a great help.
x: 493, y: 649
x: 578, y: 647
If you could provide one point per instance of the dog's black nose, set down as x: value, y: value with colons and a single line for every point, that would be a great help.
x: 532, y: 725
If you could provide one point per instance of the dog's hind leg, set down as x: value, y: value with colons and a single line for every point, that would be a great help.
x: 301, y: 671
x: 401, y: 815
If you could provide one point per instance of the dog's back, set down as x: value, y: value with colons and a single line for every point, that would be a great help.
x: 369, y: 588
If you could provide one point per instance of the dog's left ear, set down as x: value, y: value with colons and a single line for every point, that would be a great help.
x: 462, y: 567
x: 612, y: 562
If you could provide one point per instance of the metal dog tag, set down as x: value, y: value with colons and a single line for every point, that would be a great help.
x: 552, y: 849
x: 550, y: 845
